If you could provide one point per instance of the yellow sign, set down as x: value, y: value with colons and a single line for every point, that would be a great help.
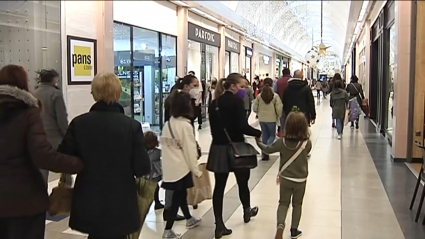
x: 82, y: 60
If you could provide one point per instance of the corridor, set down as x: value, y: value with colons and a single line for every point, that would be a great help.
x: 347, y: 193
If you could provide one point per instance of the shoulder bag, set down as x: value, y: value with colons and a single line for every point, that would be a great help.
x: 240, y: 154
x: 292, y: 159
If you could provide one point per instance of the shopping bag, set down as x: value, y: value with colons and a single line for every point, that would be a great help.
x: 365, y: 107
x: 202, y: 188
x: 145, y: 196
x: 347, y: 116
x: 61, y: 199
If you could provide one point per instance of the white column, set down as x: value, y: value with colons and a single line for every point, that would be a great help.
x: 182, y: 41
x: 222, y: 52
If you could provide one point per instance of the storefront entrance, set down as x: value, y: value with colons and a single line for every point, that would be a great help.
x: 145, y: 62
x: 382, y: 71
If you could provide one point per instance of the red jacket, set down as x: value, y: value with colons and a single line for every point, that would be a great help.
x: 281, y: 84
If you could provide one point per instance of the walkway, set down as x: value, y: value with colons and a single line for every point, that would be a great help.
x: 354, y: 191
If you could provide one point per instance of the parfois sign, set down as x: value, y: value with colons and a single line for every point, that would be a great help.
x: 81, y: 60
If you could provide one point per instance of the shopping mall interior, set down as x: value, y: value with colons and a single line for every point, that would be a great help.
x: 358, y: 187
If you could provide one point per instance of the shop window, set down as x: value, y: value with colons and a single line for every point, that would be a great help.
x: 145, y: 62
x: 234, y: 62
x: 30, y: 36
x: 211, y: 63
x: 392, y: 46
x: 194, y: 58
x: 122, y: 64
x: 227, y: 65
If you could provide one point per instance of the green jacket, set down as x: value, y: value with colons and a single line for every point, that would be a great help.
x: 339, y: 100
x: 299, y: 168
x: 268, y: 112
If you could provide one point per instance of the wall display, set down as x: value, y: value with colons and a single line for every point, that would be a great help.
x: 248, y: 52
x: 82, y: 62
x: 203, y: 35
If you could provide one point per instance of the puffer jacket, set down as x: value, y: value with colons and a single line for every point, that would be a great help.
x: 25, y: 149
x: 270, y: 112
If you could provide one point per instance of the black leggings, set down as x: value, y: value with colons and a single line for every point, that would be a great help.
x: 179, y: 201
x: 242, y: 177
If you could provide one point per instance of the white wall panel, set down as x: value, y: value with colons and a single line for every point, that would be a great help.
x: 203, y: 22
x: 154, y: 15
x: 233, y: 35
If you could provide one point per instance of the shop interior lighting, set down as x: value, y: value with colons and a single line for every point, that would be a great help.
x: 180, y: 3
x: 143, y: 46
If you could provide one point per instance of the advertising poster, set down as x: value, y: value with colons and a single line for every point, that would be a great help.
x: 82, y: 65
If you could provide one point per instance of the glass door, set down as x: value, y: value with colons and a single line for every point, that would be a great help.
x: 169, y: 68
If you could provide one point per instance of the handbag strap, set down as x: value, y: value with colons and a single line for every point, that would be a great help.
x: 292, y: 159
x: 358, y: 92
x: 172, y: 135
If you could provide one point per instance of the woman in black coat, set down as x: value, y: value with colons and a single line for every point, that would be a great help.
x: 231, y: 115
x: 110, y: 145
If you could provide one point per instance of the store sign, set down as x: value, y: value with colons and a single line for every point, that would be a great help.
x: 232, y: 46
x: 81, y: 60
x: 200, y: 34
x: 248, y: 52
x: 266, y: 59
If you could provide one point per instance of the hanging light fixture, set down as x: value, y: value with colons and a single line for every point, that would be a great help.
x: 321, y: 48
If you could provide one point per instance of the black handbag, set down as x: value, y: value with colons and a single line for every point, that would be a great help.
x: 240, y: 154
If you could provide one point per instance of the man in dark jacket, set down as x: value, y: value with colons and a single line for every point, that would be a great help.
x: 54, y: 115
x: 298, y: 94
x: 279, y: 88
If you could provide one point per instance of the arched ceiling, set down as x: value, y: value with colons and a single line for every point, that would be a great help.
x: 296, y: 23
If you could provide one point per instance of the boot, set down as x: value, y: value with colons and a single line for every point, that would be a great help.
x: 221, y: 230
x: 248, y: 213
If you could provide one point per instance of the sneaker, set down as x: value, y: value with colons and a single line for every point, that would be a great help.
x: 352, y: 127
x: 339, y: 137
x: 295, y: 233
x: 170, y: 234
x: 193, y: 222
x: 357, y: 126
x: 159, y: 206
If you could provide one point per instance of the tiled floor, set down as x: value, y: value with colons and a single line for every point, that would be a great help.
x: 348, y: 196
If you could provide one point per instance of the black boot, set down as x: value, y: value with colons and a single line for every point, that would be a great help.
x: 248, y: 213
x: 221, y: 230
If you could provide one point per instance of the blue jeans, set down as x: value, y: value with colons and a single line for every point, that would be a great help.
x: 268, y: 132
x: 339, y: 125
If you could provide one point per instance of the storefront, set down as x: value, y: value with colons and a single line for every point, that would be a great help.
x: 295, y: 65
x: 381, y: 90
x: 145, y: 62
x: 263, y: 61
x: 203, y: 51
x: 232, y: 52
x: 247, y: 66
x: 281, y: 63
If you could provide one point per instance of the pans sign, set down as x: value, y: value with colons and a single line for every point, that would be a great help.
x: 81, y: 60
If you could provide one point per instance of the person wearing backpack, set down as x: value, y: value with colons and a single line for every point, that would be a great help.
x: 338, y: 102
x: 294, y: 149
x: 355, y: 90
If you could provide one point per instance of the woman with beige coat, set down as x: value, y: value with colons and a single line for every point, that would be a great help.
x: 268, y: 106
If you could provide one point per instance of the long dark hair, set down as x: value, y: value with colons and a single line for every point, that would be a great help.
x: 181, y: 105
x: 225, y: 83
x: 267, y: 93
x: 187, y: 80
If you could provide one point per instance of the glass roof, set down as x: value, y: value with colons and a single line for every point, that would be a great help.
x: 296, y: 23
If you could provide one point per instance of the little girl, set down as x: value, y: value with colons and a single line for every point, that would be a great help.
x: 152, y: 143
x: 294, y: 148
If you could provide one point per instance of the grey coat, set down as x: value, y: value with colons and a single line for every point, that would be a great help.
x: 54, y: 116
x: 249, y: 97
x: 339, y: 101
x: 55, y: 119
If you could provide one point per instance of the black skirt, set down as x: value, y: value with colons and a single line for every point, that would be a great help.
x: 182, y: 184
x: 218, y: 159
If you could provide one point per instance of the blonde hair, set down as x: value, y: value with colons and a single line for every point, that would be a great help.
x: 225, y: 83
x: 106, y: 87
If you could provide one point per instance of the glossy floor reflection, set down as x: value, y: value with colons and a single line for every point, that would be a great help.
x: 345, y: 196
